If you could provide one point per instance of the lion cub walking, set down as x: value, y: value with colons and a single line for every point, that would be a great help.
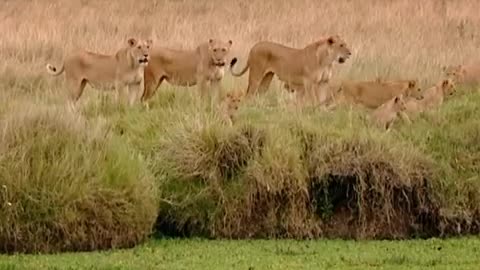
x: 201, y: 66
x: 467, y: 75
x: 385, y: 115
x: 432, y: 97
x: 125, y: 69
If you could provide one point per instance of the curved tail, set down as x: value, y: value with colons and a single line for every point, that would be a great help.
x: 232, y: 63
x: 52, y: 70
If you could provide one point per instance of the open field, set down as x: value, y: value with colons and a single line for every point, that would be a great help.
x: 266, y: 254
x: 110, y: 175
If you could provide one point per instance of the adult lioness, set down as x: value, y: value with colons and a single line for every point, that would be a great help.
x: 124, y: 69
x: 373, y: 94
x: 201, y: 66
x: 468, y: 75
x: 309, y: 66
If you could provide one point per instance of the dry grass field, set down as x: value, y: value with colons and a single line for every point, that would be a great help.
x: 398, y: 38
x: 109, y: 175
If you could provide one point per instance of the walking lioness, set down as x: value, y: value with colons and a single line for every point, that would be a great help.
x: 124, y: 69
x: 309, y: 66
x: 202, y: 66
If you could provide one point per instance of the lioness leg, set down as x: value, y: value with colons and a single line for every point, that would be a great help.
x: 265, y: 83
x: 76, y: 89
x: 151, y: 85
x: 120, y: 90
x: 254, y: 82
x: 202, y: 86
x: 309, y: 95
x: 134, y: 92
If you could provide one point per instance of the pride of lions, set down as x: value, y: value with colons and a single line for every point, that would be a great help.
x: 140, y: 68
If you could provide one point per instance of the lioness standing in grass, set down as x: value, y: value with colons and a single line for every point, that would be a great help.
x: 310, y: 66
x: 125, y: 69
x: 202, y: 66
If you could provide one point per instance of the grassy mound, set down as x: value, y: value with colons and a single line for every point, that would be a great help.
x: 281, y: 173
x: 66, y: 184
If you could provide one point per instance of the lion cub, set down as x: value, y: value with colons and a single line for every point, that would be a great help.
x: 385, y: 115
x: 229, y: 106
x: 468, y: 75
x: 372, y: 94
x: 124, y: 69
x: 432, y: 97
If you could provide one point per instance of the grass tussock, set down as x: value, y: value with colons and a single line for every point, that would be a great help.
x: 67, y: 184
x: 278, y: 173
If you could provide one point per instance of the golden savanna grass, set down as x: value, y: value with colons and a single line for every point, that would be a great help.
x: 398, y: 38
x: 100, y: 178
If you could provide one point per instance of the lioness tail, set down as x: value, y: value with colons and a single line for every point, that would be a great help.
x: 52, y: 70
x: 232, y: 63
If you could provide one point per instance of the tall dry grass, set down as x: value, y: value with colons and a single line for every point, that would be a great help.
x: 398, y: 38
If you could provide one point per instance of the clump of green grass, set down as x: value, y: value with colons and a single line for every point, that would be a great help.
x: 282, y: 173
x: 69, y: 184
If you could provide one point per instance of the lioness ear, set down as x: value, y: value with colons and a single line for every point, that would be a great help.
x: 397, y: 99
x: 445, y: 82
x: 230, y: 42
x: 331, y: 40
x: 411, y: 84
x: 210, y: 41
x: 149, y: 42
x: 132, y: 42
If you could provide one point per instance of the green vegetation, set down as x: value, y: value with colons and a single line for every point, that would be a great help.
x: 69, y: 184
x: 266, y: 254
x: 101, y: 178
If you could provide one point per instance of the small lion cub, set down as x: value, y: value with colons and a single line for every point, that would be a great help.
x: 388, y: 112
x: 229, y: 105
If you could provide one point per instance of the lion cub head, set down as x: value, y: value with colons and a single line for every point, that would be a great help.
x: 413, y: 90
x: 218, y: 51
x: 448, y: 87
x: 139, y: 50
x: 456, y: 73
x: 337, y: 49
x: 229, y: 105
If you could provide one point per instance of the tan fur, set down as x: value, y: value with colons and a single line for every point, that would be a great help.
x: 124, y: 69
x: 229, y: 106
x: 310, y: 66
x: 468, y: 75
x: 201, y: 66
x: 373, y: 94
x: 385, y: 115
x: 432, y: 97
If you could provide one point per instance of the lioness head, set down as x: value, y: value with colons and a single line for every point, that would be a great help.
x: 139, y: 50
x: 218, y: 51
x: 448, y: 87
x: 338, y: 49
